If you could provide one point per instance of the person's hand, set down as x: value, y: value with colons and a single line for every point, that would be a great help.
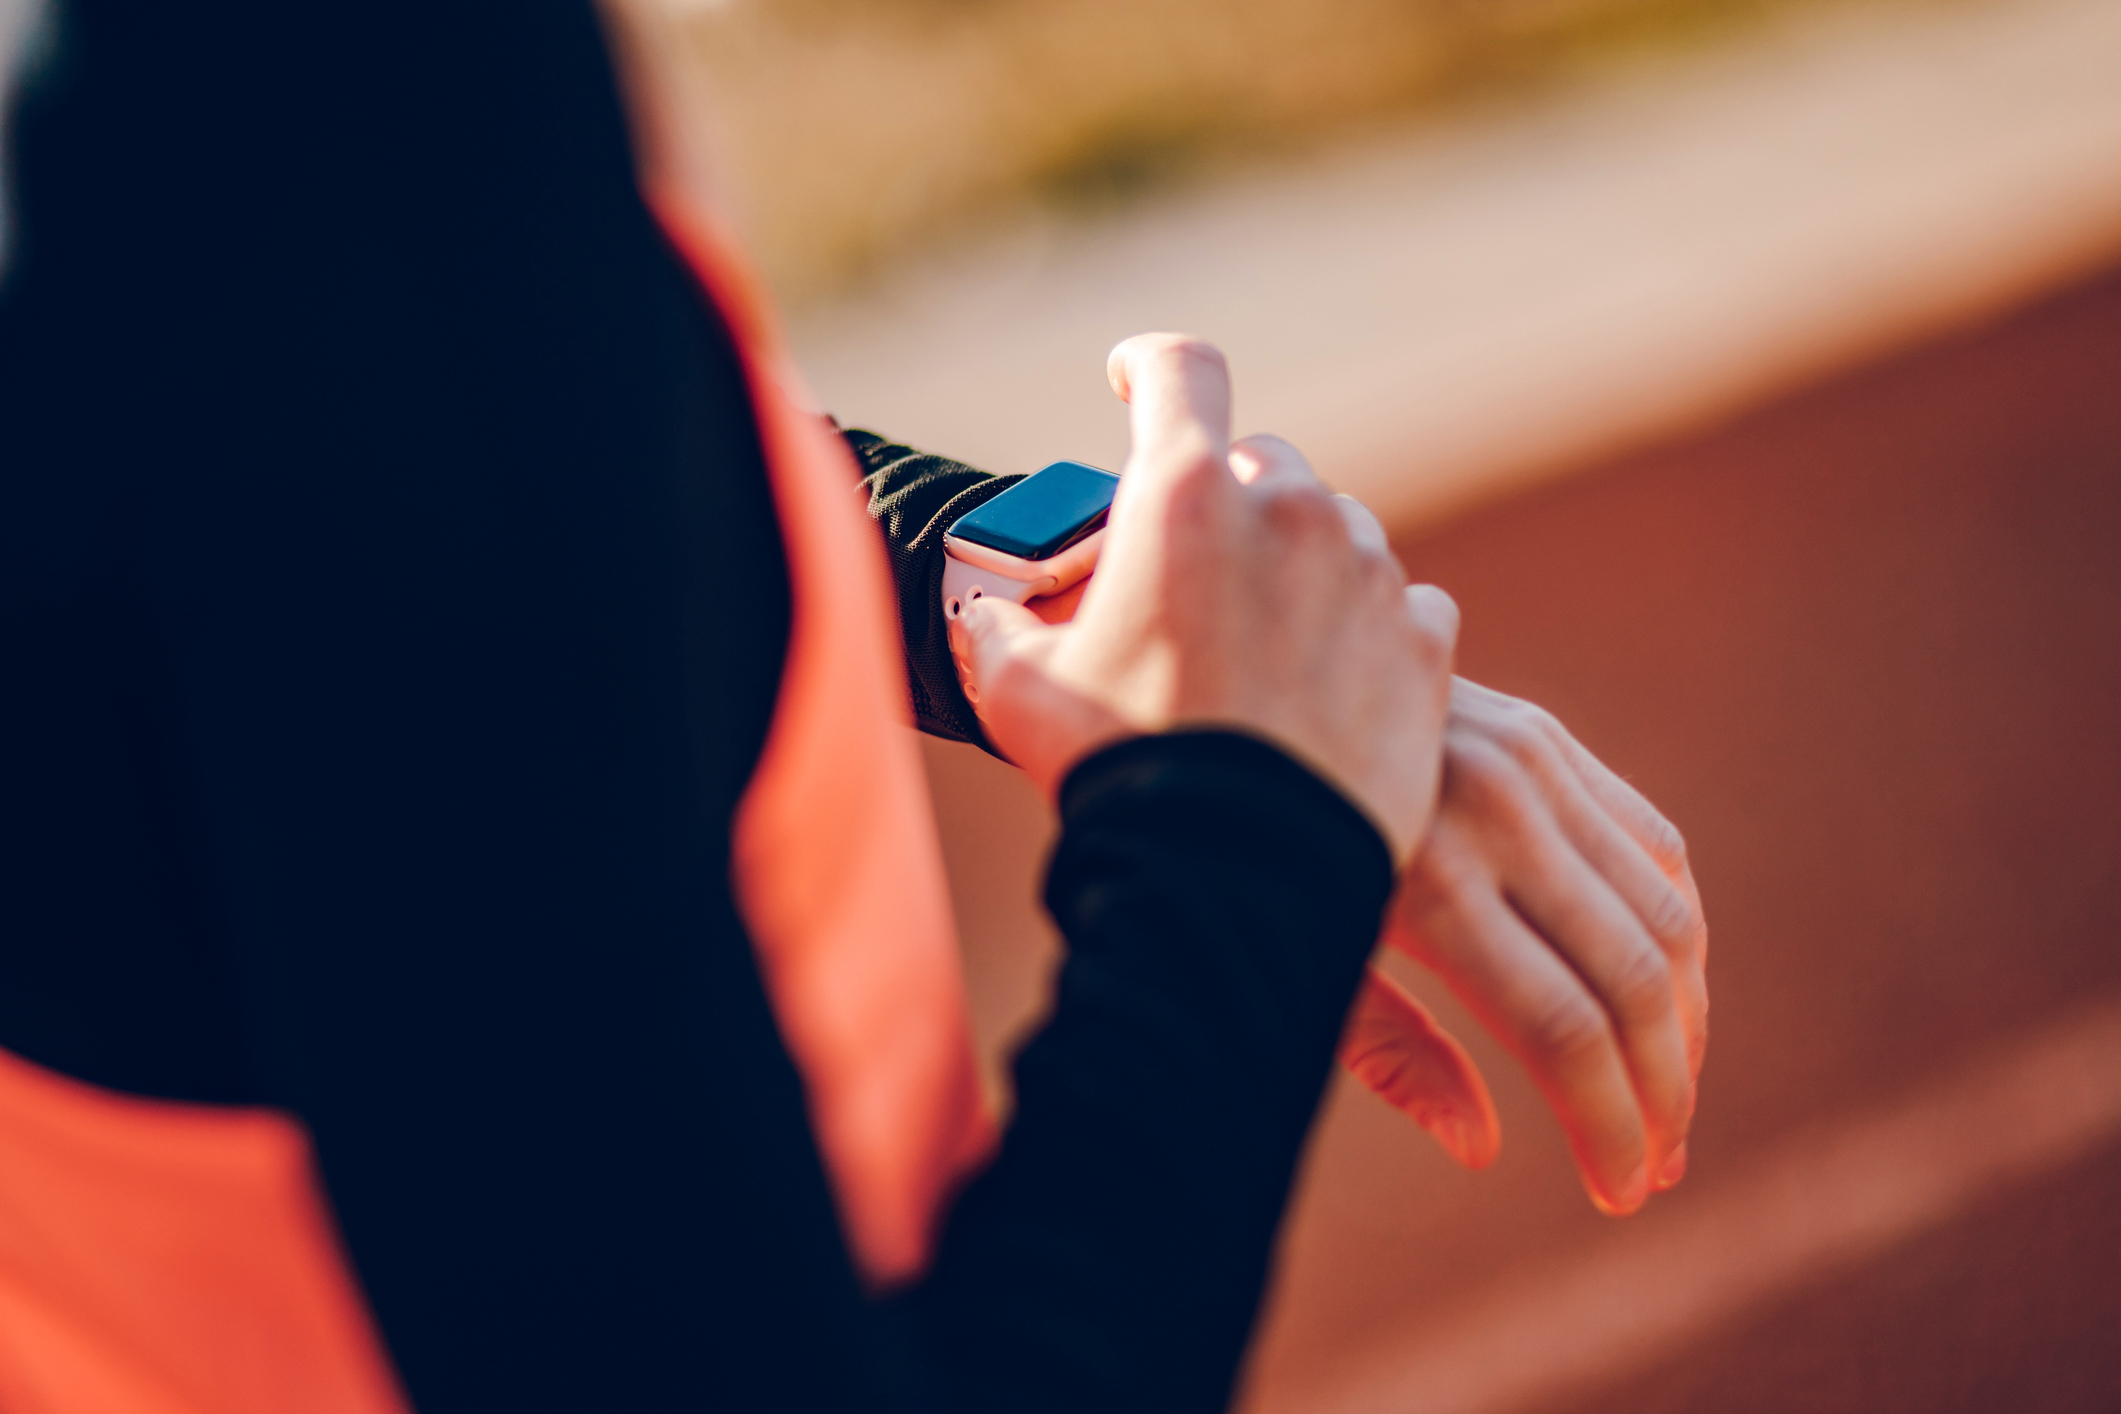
x: 1557, y: 904
x: 1548, y: 894
x: 1233, y: 590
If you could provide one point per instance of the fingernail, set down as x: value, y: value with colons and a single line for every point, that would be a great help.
x: 1674, y: 1169
x: 1632, y: 1195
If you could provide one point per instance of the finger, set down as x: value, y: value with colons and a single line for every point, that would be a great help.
x: 1177, y: 388
x: 1452, y: 918
x: 1580, y: 916
x: 1261, y: 459
x: 1645, y: 824
x: 1265, y: 461
x: 1363, y: 527
x: 1033, y: 716
x: 1395, y: 1047
x: 1595, y: 809
x: 993, y: 630
x: 1670, y: 914
x: 1060, y: 608
x: 1436, y: 614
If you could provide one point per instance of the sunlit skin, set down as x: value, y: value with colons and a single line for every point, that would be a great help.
x: 1232, y: 590
x: 1393, y: 1045
x: 1558, y: 905
x: 1553, y: 900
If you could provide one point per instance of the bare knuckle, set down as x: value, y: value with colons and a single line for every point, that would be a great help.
x: 1267, y: 445
x: 1375, y: 592
x: 1485, y: 776
x: 1430, y: 643
x: 1444, y: 877
x: 1522, y: 731
x: 1667, y: 846
x: 1642, y: 992
x: 1302, y: 513
x: 1569, y: 1028
x: 1671, y: 919
x: 1435, y: 610
x: 1382, y: 578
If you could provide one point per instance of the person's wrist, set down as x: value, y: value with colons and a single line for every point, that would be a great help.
x: 1216, y: 758
x: 1376, y: 791
x: 1164, y: 806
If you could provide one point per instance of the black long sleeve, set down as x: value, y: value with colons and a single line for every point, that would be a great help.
x: 1174, y: 1004
x: 914, y: 497
x: 391, y: 607
x: 1219, y: 902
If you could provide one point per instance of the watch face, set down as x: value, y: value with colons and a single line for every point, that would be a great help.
x: 1043, y: 514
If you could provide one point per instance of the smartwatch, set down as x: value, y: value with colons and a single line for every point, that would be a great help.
x: 1038, y: 537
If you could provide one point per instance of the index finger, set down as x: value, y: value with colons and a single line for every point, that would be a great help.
x: 1178, y: 390
x: 1659, y: 838
x: 1643, y: 823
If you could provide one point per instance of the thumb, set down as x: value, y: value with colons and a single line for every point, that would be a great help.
x: 993, y: 631
x: 1006, y: 659
x: 1397, y: 1049
x: 1177, y: 389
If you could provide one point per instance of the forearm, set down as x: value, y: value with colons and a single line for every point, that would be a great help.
x: 1219, y: 902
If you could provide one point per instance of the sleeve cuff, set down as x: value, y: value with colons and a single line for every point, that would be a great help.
x: 1229, y: 811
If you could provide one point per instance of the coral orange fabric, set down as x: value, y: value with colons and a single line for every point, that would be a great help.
x: 839, y: 872
x: 161, y: 1258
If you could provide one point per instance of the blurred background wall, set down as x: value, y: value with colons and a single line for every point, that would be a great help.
x: 1751, y: 372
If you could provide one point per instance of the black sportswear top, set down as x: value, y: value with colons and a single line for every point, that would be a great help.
x: 391, y: 610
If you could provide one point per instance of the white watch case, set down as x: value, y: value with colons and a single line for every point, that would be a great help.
x: 972, y: 571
